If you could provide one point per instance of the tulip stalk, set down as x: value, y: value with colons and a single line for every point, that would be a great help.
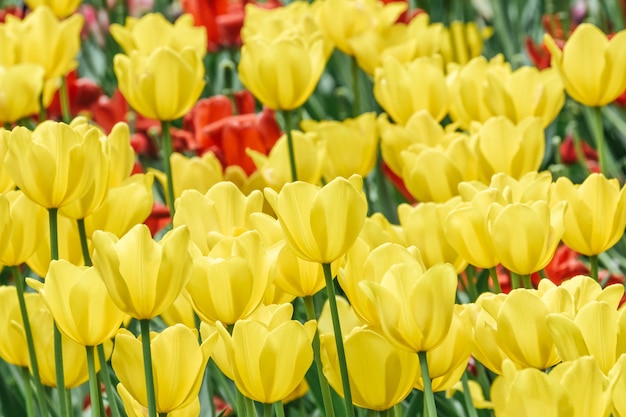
x: 82, y: 233
x: 526, y: 280
x: 594, y: 117
x: 65, y: 101
x: 28, y: 392
x: 326, y: 396
x: 280, y: 409
x: 429, y: 399
x: 147, y: 366
x: 341, y: 354
x: 19, y: 284
x: 166, y: 146
x: 467, y: 396
x: 58, y: 340
x: 356, y: 96
x: 93, y: 381
x: 593, y: 266
x: 292, y: 153
x: 108, y: 385
x: 493, y: 273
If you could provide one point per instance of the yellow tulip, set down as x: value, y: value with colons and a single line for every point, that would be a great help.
x: 342, y: 140
x: 377, y: 230
x: 596, y: 213
x: 583, y: 290
x: 468, y: 95
x: 222, y: 211
x: 9, y: 42
x: 485, y: 347
x: 503, y: 147
x: 178, y: 366
x: 365, y: 264
x: 415, y: 308
x: 153, y: 31
x: 381, y: 374
x: 47, y: 41
x: 448, y: 361
x: 347, y: 318
x: 13, y: 347
x: 420, y: 128
x: 125, y: 206
x: 275, y: 169
x: 6, y: 182
x: 262, y: 369
x: 597, y: 330
x: 520, y: 329
x: 525, y: 236
x: 403, y: 89
x: 164, y: 84
x: 342, y: 20
x: 194, y: 173
x: 74, y: 357
x: 229, y: 283
x: 69, y: 246
x: 320, y: 224
x: 142, y: 276
x: 424, y: 228
x: 181, y: 311
x: 79, y: 303
x: 466, y: 230
x: 434, y: 173
x: 298, y: 277
x: 60, y: 8
x: 590, y: 64
x: 617, y: 376
x: 20, y: 89
x: 53, y: 164
x: 134, y: 409
x: 461, y: 42
x: 532, y: 186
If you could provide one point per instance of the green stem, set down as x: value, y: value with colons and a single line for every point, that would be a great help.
x: 60, y: 377
x: 28, y: 392
x: 43, y: 115
x: 209, y: 386
x: 341, y: 354
x: 467, y: 396
x: 147, y: 366
x: 493, y: 273
x: 280, y: 409
x: 65, y: 100
x: 54, y: 233
x: 83, y: 241
x: 470, y: 272
x: 371, y: 413
x: 526, y: 280
x: 93, y: 381
x: 41, y: 395
x: 397, y: 410
x: 543, y: 274
x: 268, y: 410
x: 593, y: 263
x: 594, y: 115
x: 250, y: 408
x: 580, y: 154
x: 163, y: 414
x: 287, y: 115
x: 326, y: 396
x: 514, y: 280
x: 166, y: 144
x: 355, y: 88
x: 429, y: 399
x: 241, y: 405
x: 108, y: 385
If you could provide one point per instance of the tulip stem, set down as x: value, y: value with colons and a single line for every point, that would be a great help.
x: 355, y: 88
x: 429, y: 399
x: 526, y: 280
x: 280, y: 409
x: 54, y: 233
x: 147, y: 366
x: 397, y: 410
x: 166, y: 145
x: 241, y: 404
x: 292, y: 153
x: 82, y: 233
x: 493, y: 273
x: 42, y: 109
x: 19, y: 284
x: 268, y: 410
x: 108, y: 385
x: 593, y: 264
x: 470, y: 273
x: 514, y: 280
x: 467, y: 396
x: 93, y: 381
x: 326, y: 396
x: 371, y: 413
x: 60, y: 377
x: 28, y: 392
x: 594, y: 116
x: 250, y: 408
x: 341, y: 354
x: 65, y: 101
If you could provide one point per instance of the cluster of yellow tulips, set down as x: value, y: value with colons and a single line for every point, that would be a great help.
x: 237, y: 296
